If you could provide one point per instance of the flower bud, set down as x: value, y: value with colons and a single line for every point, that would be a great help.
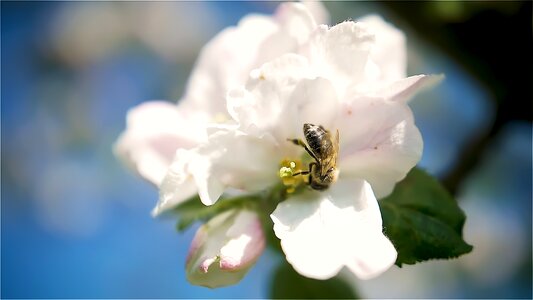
x: 225, y: 248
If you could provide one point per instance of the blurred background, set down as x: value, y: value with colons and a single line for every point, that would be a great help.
x: 76, y: 224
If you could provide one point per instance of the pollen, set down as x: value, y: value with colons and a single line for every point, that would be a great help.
x: 220, y: 118
x: 288, y: 167
x: 285, y: 172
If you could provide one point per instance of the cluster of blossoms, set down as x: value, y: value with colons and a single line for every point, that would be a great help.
x: 253, y: 87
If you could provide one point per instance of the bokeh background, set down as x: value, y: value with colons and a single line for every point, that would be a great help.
x: 76, y: 224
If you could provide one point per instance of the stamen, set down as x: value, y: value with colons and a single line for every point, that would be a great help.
x: 288, y: 167
x: 285, y: 172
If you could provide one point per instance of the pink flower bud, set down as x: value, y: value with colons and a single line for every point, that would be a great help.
x: 225, y: 248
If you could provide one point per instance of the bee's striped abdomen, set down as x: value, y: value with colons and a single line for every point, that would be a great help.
x: 318, y: 139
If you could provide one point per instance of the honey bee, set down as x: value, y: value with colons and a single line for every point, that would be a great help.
x: 324, y: 149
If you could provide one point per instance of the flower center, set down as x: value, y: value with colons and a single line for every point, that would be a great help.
x: 289, y: 167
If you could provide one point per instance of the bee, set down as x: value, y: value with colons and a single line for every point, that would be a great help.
x: 324, y: 149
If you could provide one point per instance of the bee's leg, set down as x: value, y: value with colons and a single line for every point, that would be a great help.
x: 299, y: 142
x: 306, y: 172
x: 315, y: 164
x: 301, y: 173
x: 310, y: 178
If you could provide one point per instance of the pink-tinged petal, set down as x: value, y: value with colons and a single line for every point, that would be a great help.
x: 225, y: 62
x: 318, y: 11
x: 199, y: 239
x: 321, y: 232
x: 295, y: 25
x: 389, y: 161
x: 225, y: 248
x: 389, y: 52
x: 379, y: 142
x: 405, y: 89
x: 153, y: 133
x: 204, y: 266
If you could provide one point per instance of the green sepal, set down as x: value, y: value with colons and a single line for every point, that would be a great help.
x: 194, y: 210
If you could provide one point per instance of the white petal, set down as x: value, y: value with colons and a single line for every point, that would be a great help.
x: 266, y: 100
x: 225, y: 62
x: 310, y: 101
x: 389, y: 53
x: 154, y: 131
x: 405, y: 89
x: 321, y: 232
x: 225, y: 248
x: 241, y: 106
x: 376, y: 257
x: 177, y: 185
x: 341, y: 52
x: 284, y: 70
x: 379, y: 142
x: 230, y: 160
x: 236, y: 160
x: 314, y: 101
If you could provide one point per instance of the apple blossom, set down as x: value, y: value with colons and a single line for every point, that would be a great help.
x: 253, y: 89
x: 335, y: 80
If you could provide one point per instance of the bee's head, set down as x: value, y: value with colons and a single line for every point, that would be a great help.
x: 333, y: 173
x: 315, y: 185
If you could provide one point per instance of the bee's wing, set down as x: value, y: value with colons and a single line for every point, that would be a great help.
x: 330, y: 160
x: 336, y: 146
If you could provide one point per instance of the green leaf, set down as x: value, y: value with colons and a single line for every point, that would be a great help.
x: 423, y: 221
x: 288, y: 284
x: 194, y: 210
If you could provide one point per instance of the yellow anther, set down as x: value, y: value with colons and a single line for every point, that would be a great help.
x: 288, y: 167
x: 285, y: 172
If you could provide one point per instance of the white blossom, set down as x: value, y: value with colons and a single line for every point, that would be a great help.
x: 340, y: 79
x: 254, y: 86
